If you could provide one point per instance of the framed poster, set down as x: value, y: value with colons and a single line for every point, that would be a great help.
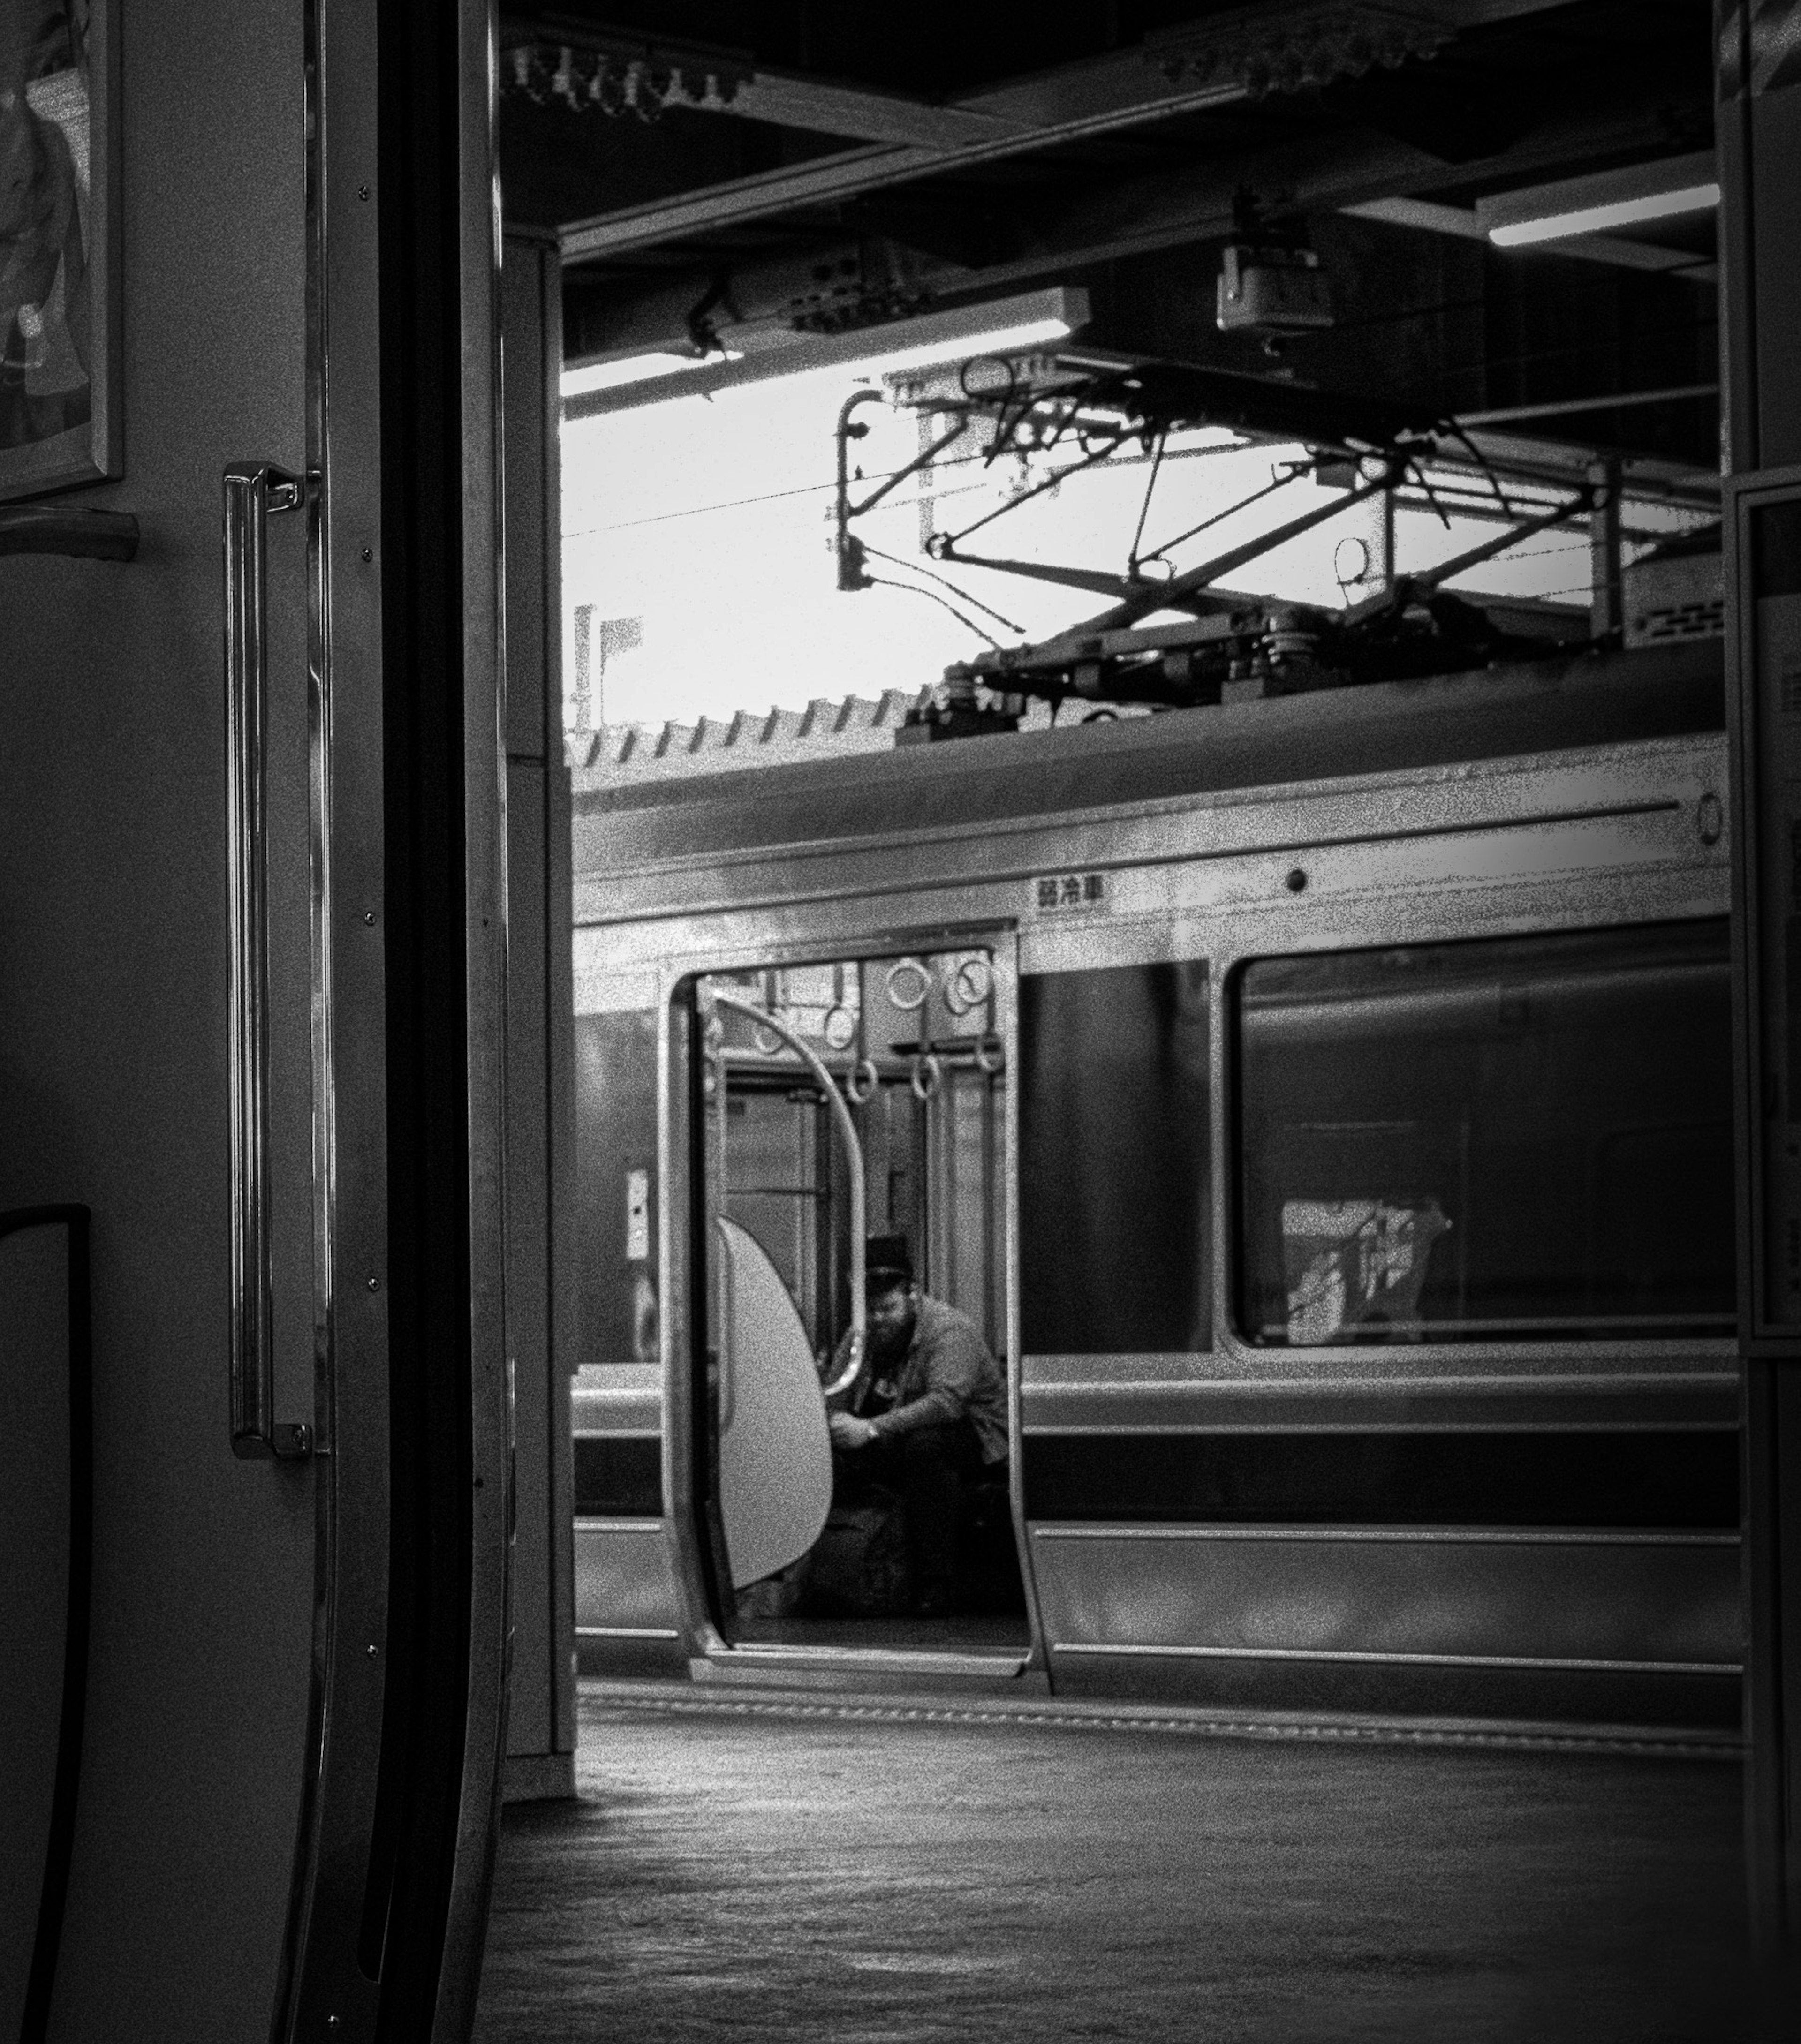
x: 59, y: 246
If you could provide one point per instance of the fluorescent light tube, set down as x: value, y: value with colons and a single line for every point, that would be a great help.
x: 1032, y: 319
x: 1597, y: 219
x: 635, y: 369
x: 997, y: 340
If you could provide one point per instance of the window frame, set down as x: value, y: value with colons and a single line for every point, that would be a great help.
x: 1380, y: 922
x: 1720, y: 1327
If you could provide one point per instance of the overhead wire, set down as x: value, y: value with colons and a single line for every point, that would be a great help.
x: 1218, y: 518
x: 954, y: 461
x: 915, y: 567
x: 1144, y: 508
x: 913, y: 589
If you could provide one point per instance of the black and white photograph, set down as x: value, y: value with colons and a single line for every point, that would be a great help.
x: 900, y: 1022
x: 57, y: 291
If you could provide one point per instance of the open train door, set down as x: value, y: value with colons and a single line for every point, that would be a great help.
x: 252, y: 965
x: 863, y: 1092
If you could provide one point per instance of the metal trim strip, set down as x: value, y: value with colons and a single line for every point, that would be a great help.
x: 1077, y: 1714
x: 1137, y: 1650
x: 472, y: 44
x: 348, y: 812
x: 1184, y: 1369
x: 1529, y: 1536
x: 923, y: 1660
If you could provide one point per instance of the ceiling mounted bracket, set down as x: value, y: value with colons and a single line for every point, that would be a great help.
x: 1260, y: 53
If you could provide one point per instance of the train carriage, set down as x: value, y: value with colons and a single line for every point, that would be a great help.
x: 1322, y: 1104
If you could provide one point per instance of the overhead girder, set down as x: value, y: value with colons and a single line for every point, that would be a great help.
x: 1217, y: 61
x: 1363, y: 174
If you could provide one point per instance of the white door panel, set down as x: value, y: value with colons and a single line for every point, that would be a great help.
x: 775, y: 1454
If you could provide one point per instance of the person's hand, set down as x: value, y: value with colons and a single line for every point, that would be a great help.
x: 849, y: 1431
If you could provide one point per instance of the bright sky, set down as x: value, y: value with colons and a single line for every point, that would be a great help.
x: 707, y: 520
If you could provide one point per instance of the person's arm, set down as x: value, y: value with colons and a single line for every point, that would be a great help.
x: 953, y: 1367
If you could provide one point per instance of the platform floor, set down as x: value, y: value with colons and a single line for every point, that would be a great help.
x: 745, y: 1869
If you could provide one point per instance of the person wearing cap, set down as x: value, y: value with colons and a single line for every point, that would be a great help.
x: 925, y: 1414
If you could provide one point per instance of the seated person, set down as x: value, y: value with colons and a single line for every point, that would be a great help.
x: 925, y: 1415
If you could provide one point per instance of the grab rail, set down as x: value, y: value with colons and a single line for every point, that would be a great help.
x: 847, y: 1128
x: 252, y: 490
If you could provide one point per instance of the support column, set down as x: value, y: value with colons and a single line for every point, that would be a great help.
x: 1381, y: 543
x: 1759, y: 136
x: 540, y: 1731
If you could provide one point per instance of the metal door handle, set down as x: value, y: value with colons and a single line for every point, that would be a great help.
x: 252, y: 490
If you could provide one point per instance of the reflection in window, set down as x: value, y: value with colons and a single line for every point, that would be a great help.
x: 1114, y: 1225
x: 1526, y: 1137
x: 1354, y: 1263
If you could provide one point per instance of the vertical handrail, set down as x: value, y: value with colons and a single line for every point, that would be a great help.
x: 712, y: 1050
x: 854, y: 1148
x: 252, y: 491
x: 34, y: 2022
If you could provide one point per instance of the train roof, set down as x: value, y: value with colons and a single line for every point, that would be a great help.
x: 1553, y: 705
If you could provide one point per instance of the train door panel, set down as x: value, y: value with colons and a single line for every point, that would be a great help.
x: 772, y: 1416
x: 833, y: 1101
x: 249, y: 798
x: 1463, y: 1200
x: 1117, y: 1221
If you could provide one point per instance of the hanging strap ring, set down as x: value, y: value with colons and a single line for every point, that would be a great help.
x: 839, y: 1027
x: 969, y: 986
x: 991, y: 1055
x: 861, y: 1081
x: 766, y: 1039
x: 928, y: 1074
x: 916, y: 980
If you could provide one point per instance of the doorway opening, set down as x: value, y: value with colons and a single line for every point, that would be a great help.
x: 856, y: 1468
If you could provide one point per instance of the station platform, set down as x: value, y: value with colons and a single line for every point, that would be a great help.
x: 794, y: 1865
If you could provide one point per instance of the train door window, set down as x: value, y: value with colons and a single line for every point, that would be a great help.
x: 616, y: 1184
x: 1525, y: 1137
x: 617, y: 1393
x: 893, y: 1068
x: 1115, y: 1226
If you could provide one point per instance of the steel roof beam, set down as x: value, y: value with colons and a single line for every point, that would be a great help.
x: 1219, y: 61
x: 1139, y: 215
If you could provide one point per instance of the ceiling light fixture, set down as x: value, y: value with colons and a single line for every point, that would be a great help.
x: 610, y: 375
x: 1657, y: 190
x: 1002, y: 326
x: 996, y: 340
x: 1597, y: 219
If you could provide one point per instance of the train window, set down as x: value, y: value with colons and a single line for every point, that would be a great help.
x: 616, y: 1190
x: 1114, y: 1213
x: 1526, y: 1137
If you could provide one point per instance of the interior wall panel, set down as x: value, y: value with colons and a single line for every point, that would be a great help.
x: 113, y: 1046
